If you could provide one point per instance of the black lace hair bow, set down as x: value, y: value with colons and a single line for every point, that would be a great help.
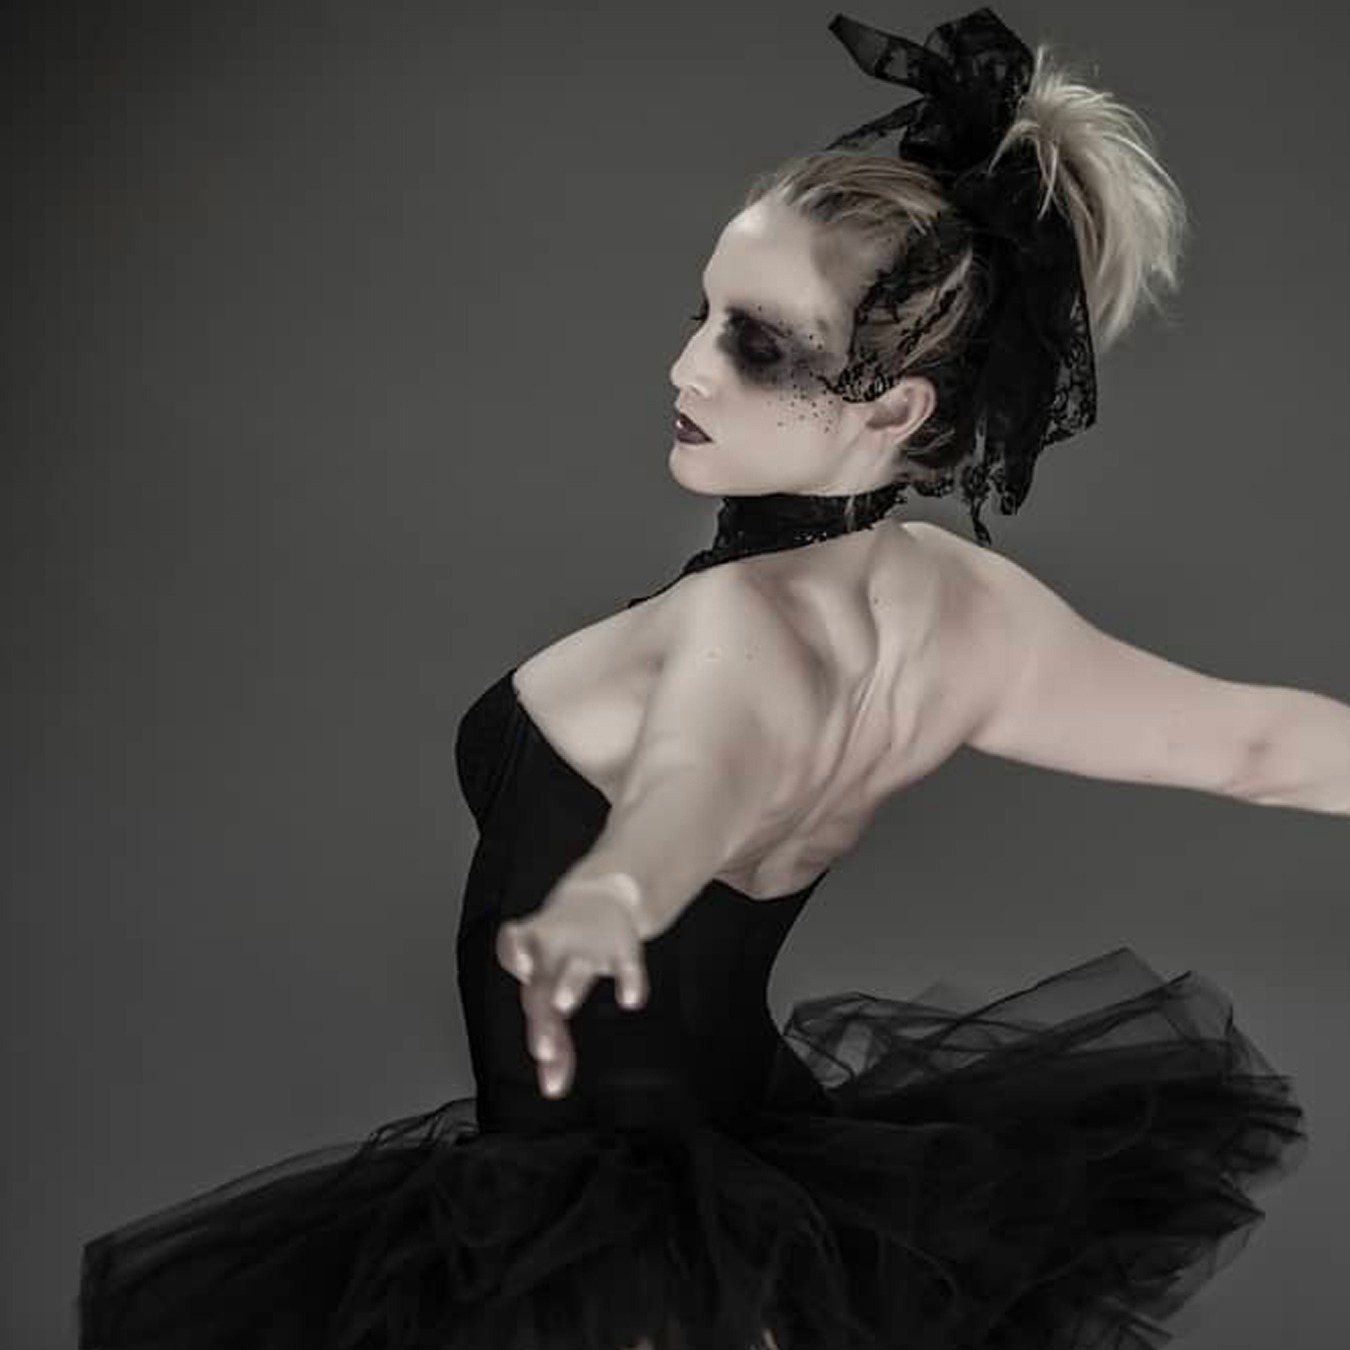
x: 1027, y: 377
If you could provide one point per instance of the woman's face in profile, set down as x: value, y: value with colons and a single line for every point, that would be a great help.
x: 770, y: 329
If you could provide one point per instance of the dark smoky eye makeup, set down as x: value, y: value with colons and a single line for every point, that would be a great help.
x: 752, y: 344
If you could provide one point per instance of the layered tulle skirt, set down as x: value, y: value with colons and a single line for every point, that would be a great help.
x: 1057, y: 1169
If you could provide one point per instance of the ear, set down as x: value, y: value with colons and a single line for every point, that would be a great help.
x: 905, y: 407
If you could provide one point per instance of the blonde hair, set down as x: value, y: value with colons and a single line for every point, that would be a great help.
x: 1097, y: 159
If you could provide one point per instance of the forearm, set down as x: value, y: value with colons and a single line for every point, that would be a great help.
x: 670, y: 838
x: 1301, y: 754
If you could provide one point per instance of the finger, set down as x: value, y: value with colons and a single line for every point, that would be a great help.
x: 632, y: 982
x: 552, y: 1042
x: 505, y: 949
x: 524, y: 952
x: 513, y: 951
x: 556, y: 1059
x: 556, y: 1071
x: 555, y: 1076
x: 549, y: 1039
x: 546, y: 1028
x: 572, y: 986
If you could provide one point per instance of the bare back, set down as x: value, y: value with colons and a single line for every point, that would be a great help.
x: 901, y: 655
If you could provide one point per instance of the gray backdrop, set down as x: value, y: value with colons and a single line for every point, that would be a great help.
x: 337, y: 382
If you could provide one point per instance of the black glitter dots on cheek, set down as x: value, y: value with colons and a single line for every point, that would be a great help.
x: 803, y: 387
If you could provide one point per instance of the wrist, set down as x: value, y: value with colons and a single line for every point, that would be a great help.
x: 622, y: 886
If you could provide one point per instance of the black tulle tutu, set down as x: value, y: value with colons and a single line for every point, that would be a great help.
x: 1061, y: 1168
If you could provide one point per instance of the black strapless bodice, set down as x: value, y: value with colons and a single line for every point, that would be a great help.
x: 703, y: 1045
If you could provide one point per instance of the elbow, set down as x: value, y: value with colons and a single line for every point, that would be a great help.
x: 1298, y: 754
x: 1257, y: 748
x: 1253, y: 771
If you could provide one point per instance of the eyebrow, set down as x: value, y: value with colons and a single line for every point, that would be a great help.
x: 781, y: 321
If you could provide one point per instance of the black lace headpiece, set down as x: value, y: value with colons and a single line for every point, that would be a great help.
x: 1026, y: 378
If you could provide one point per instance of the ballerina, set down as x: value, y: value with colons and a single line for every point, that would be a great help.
x: 648, y: 1161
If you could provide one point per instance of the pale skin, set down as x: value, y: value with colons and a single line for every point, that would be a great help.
x: 777, y: 432
x: 781, y: 699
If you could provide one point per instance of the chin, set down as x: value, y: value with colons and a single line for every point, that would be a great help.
x: 711, y: 472
x: 697, y: 472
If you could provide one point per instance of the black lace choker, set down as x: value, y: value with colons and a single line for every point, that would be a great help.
x: 776, y: 521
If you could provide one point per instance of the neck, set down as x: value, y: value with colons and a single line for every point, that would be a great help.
x: 780, y: 521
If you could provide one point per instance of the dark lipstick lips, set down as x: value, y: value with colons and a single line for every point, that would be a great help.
x: 689, y: 423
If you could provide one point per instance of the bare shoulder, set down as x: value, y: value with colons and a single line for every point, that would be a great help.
x: 982, y: 631
x: 1014, y: 608
x: 1069, y: 696
x: 725, y: 612
x: 732, y: 700
x: 982, y: 574
x: 951, y: 547
x: 724, y: 620
x: 1010, y: 613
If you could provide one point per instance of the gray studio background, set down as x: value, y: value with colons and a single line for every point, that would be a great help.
x: 337, y: 349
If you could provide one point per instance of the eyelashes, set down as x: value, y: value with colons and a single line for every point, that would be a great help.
x: 747, y: 349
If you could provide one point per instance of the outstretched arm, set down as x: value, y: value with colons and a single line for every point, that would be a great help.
x: 1074, y: 698
x: 719, y: 765
x: 720, y: 756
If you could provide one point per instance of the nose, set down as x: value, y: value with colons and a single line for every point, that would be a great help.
x: 691, y: 371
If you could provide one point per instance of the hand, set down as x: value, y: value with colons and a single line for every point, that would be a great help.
x: 584, y: 930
